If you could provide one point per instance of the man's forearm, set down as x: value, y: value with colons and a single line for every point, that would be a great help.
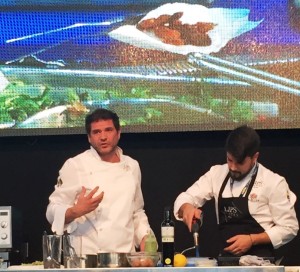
x: 71, y: 215
x: 260, y: 238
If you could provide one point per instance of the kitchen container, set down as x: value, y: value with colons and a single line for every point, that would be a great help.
x: 201, y: 262
x: 143, y: 259
x: 112, y: 259
x: 88, y: 261
x: 52, y: 251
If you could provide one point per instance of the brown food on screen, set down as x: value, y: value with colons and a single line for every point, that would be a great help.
x: 169, y: 29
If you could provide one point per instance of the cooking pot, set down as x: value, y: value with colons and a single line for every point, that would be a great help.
x: 88, y: 261
x: 112, y: 259
x: 84, y: 261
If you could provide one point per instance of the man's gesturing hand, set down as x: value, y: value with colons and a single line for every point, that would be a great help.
x: 85, y: 204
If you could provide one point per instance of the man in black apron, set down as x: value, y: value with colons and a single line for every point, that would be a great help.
x: 235, y: 186
x: 235, y: 219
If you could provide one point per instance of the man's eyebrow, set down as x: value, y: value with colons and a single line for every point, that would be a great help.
x: 105, y: 129
x: 95, y: 130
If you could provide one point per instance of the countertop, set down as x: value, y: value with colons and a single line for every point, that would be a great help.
x: 165, y: 269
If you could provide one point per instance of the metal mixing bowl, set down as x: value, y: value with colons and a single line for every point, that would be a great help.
x: 112, y: 259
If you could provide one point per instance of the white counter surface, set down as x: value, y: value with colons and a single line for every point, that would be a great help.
x: 160, y: 269
x: 292, y: 268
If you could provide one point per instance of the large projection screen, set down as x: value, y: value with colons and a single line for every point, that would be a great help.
x: 161, y: 65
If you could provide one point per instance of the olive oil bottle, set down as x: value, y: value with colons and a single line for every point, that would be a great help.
x: 167, y: 238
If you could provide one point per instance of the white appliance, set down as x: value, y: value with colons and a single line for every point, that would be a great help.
x: 6, y: 227
x: 10, y: 235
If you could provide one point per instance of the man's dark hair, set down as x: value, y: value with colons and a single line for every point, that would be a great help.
x: 101, y: 114
x: 242, y: 142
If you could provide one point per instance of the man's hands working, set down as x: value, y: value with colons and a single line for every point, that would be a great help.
x: 240, y: 244
x: 188, y: 212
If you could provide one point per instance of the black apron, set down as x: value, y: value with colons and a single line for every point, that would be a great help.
x: 235, y: 218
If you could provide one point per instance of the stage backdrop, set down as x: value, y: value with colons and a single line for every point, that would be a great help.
x: 170, y: 163
x: 161, y: 65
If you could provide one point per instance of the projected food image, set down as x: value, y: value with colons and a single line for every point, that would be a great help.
x: 166, y: 66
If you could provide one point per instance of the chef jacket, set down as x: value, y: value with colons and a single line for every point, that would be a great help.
x: 119, y: 223
x: 270, y: 202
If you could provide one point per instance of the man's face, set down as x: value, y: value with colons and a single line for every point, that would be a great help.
x: 240, y: 170
x: 104, y: 138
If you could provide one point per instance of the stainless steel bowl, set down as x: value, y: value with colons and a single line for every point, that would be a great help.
x: 109, y: 259
x: 88, y: 261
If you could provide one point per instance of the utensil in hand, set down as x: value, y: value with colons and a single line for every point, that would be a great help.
x: 196, y: 224
x: 195, y: 230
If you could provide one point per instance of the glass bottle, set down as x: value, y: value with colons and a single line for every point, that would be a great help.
x: 167, y: 238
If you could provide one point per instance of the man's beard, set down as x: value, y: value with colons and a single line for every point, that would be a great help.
x: 238, y: 176
x: 106, y: 151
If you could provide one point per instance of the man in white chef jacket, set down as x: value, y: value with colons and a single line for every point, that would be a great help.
x: 254, y: 206
x: 98, y: 197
